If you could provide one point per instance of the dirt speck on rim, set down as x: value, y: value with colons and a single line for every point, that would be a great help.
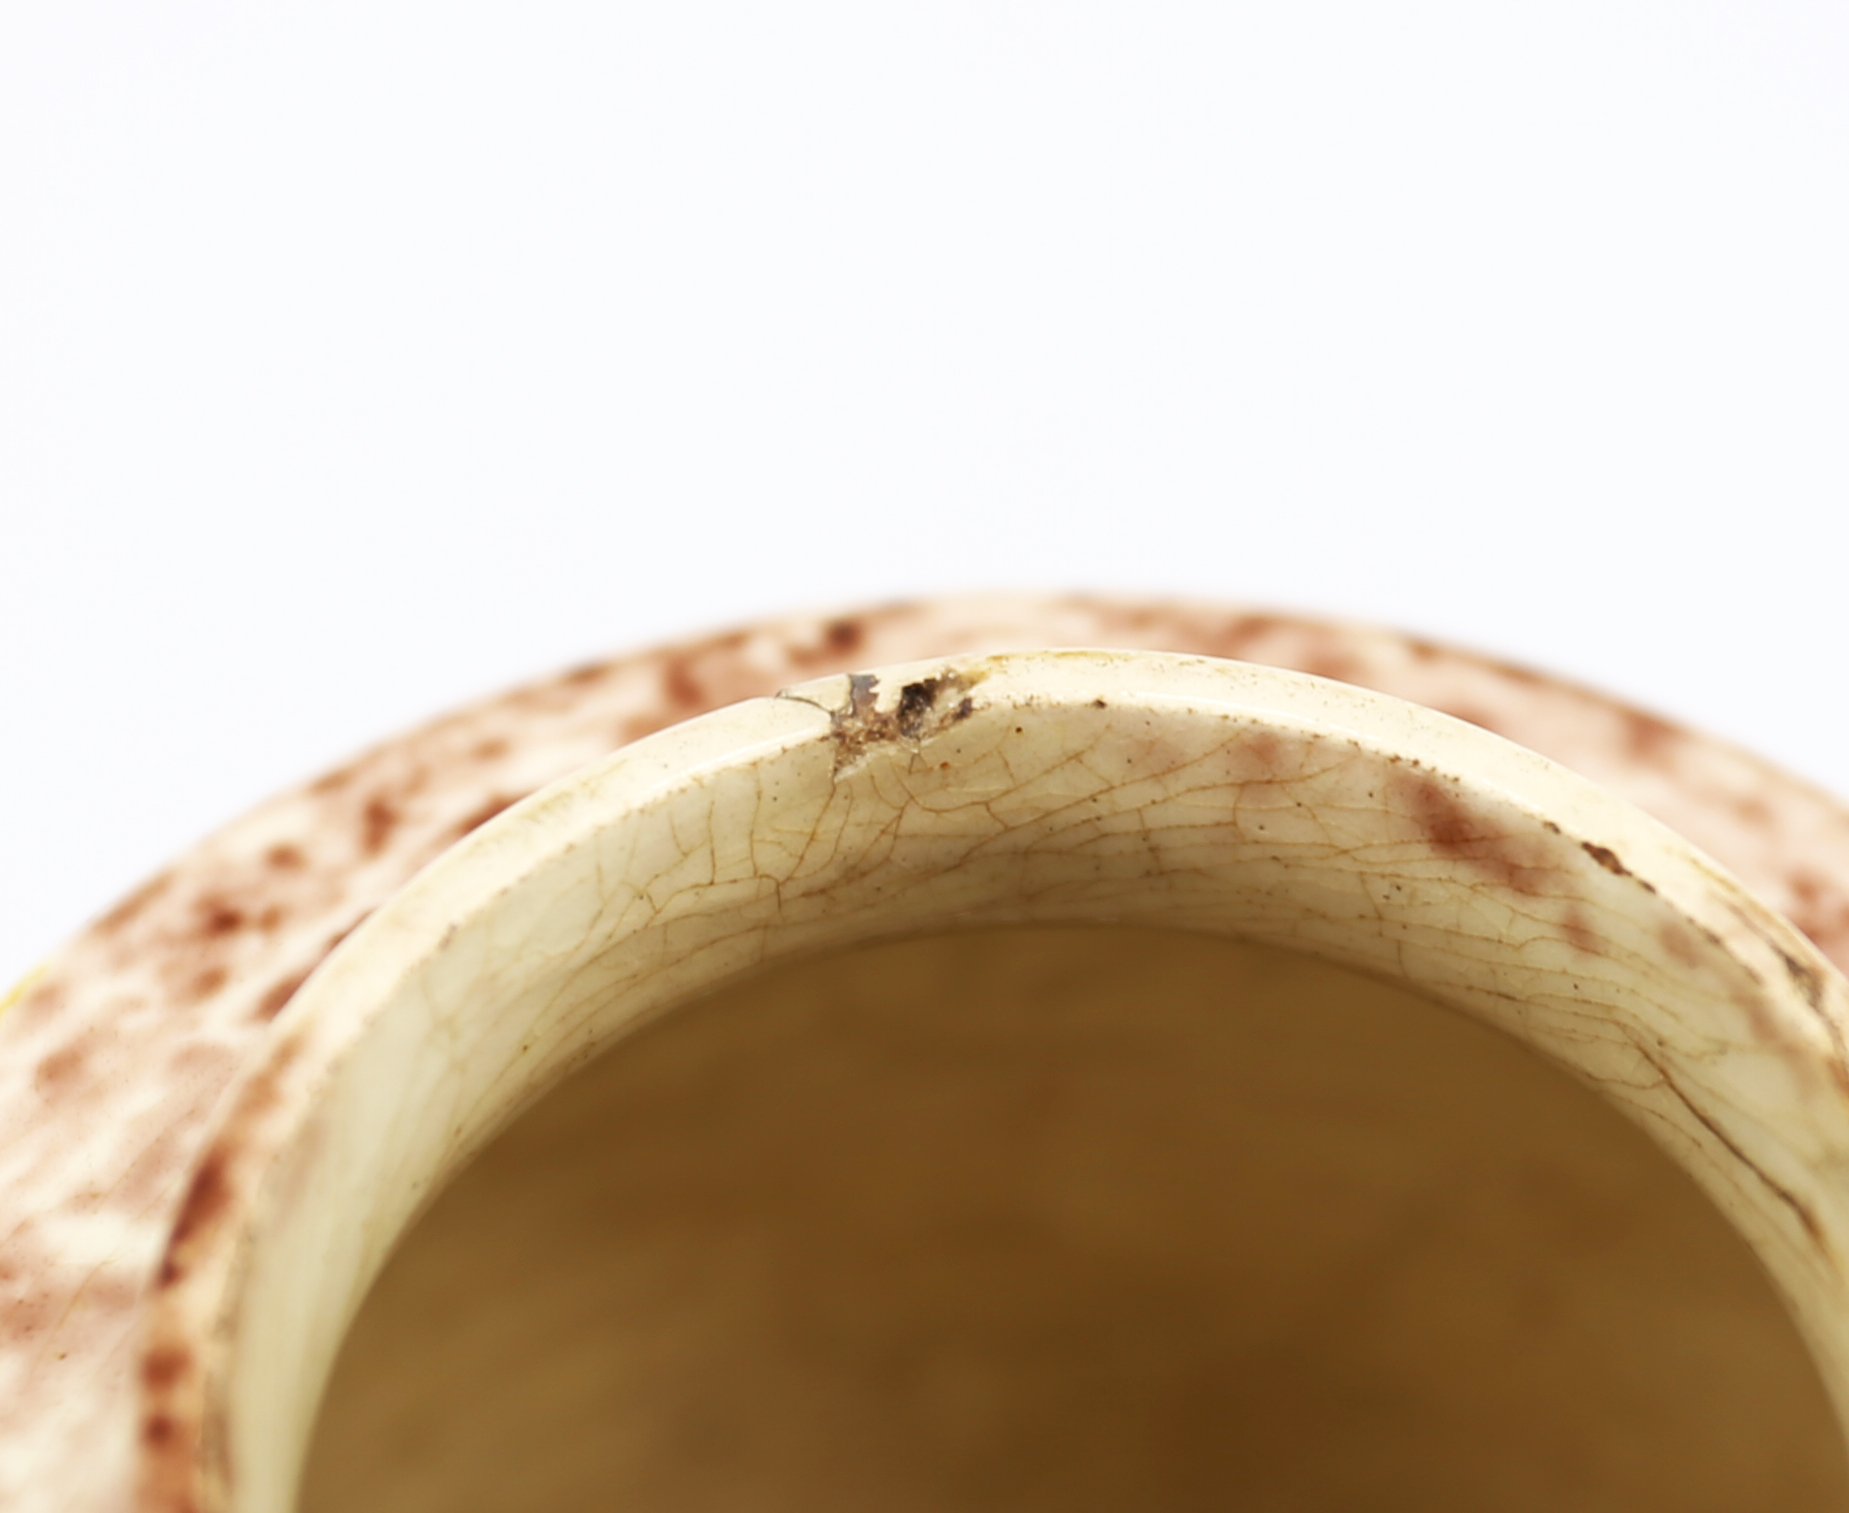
x: 925, y: 709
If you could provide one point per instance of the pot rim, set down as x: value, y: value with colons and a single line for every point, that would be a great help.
x: 115, y: 1053
x: 1060, y: 785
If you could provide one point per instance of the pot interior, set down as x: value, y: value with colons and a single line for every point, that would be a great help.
x: 1072, y: 1219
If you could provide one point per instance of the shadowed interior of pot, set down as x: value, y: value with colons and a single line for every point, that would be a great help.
x: 1072, y: 1219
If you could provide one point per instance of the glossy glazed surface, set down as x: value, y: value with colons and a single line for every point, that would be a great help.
x: 114, y: 1056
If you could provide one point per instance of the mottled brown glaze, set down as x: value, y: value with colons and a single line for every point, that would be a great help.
x: 114, y: 1056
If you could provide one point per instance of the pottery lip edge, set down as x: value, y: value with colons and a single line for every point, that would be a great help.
x: 1616, y: 836
x: 122, y: 1001
x: 554, y: 819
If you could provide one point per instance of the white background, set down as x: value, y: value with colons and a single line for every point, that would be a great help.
x: 359, y: 359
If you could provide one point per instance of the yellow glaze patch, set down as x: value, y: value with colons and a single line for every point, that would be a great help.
x: 20, y: 989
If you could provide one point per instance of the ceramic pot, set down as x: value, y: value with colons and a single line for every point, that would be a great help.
x: 1006, y: 1078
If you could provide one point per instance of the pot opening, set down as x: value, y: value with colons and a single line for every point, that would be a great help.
x: 1072, y: 1218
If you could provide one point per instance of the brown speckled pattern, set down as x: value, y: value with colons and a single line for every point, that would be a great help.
x: 113, y: 1059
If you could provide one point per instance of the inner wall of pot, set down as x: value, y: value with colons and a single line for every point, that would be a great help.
x: 1072, y: 1219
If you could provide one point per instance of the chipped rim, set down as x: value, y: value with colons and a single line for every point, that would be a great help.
x: 1055, y: 786
x: 117, y: 1049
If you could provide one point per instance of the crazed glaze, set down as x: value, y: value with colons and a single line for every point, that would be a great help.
x: 119, y: 1051
x: 1037, y: 787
